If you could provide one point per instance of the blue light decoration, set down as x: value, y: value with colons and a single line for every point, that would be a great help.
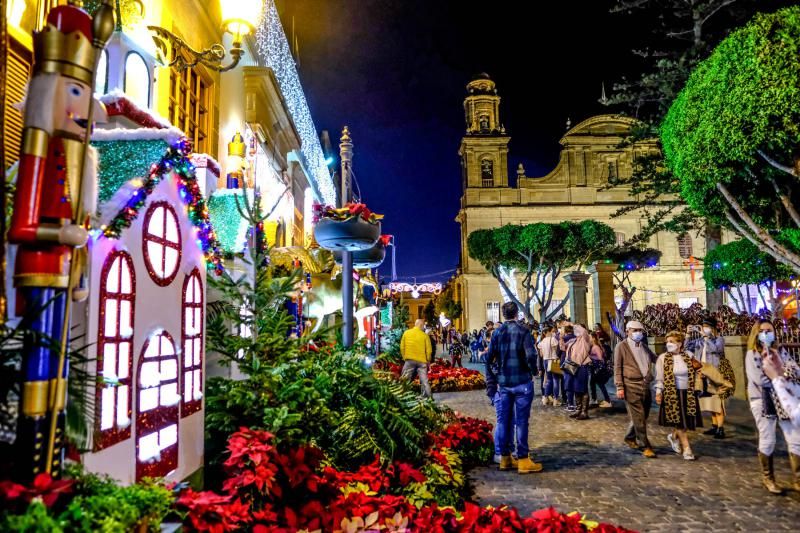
x: 274, y: 52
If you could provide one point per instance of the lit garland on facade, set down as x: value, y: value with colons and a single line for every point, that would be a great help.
x: 176, y: 159
x: 273, y: 51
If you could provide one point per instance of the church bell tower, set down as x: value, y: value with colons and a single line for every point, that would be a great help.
x: 484, y: 147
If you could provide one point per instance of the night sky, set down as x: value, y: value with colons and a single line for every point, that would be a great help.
x: 395, y: 71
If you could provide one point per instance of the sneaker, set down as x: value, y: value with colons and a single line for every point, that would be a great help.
x: 571, y: 408
x: 496, y: 459
x: 604, y: 404
x: 676, y: 446
x: 688, y: 455
x: 649, y: 453
x: 527, y: 466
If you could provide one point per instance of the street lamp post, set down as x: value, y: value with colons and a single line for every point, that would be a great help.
x: 346, y: 156
x: 238, y: 19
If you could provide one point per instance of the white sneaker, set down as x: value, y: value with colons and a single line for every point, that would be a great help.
x: 604, y: 404
x: 688, y: 455
x: 676, y: 446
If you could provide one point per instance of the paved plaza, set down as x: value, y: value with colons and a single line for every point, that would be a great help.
x: 587, y: 468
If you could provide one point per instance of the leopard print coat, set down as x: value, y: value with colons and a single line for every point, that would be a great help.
x: 670, y: 404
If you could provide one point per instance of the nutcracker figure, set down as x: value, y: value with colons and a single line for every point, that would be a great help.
x: 48, y: 219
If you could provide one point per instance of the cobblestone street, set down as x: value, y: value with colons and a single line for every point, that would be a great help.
x: 588, y: 468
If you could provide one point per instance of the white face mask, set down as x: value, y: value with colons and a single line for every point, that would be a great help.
x: 637, y: 336
x: 707, y: 331
x: 672, y: 347
x: 767, y: 337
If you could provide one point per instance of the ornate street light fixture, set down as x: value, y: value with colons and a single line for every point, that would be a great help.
x: 239, y: 18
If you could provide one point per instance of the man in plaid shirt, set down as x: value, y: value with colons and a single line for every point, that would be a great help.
x: 511, y: 363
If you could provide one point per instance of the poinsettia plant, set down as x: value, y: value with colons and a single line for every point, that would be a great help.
x: 340, y: 214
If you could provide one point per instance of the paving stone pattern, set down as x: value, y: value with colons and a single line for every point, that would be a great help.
x: 587, y: 468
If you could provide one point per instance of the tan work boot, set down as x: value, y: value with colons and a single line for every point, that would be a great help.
x: 507, y: 462
x: 527, y: 466
x: 794, y: 461
x: 768, y: 474
x: 649, y: 453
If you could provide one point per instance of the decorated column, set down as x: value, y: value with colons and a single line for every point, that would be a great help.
x: 577, y: 282
x: 603, y: 290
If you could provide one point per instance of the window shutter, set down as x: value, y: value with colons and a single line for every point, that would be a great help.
x: 19, y: 67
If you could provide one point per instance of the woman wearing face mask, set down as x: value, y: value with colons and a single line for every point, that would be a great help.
x: 709, y: 349
x: 766, y: 407
x: 676, y: 383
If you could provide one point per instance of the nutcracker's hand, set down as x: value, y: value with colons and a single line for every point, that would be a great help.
x: 73, y: 235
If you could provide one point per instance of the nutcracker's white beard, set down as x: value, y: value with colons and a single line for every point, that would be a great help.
x: 42, y: 90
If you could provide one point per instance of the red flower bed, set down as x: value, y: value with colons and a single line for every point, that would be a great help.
x: 443, y: 377
x: 268, y: 491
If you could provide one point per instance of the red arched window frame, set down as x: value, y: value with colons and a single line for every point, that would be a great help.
x: 161, y: 243
x: 157, y: 402
x: 193, y: 326
x: 115, y: 350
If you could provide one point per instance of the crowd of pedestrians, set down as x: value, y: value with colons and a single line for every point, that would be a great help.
x: 692, y: 377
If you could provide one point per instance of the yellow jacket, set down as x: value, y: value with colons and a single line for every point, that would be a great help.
x: 415, y: 346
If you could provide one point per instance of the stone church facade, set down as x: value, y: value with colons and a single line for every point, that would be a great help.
x: 575, y: 190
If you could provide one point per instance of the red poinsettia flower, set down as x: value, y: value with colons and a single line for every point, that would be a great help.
x: 406, y: 474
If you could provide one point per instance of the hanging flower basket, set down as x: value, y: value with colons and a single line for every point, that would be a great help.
x: 369, y: 258
x: 350, y: 228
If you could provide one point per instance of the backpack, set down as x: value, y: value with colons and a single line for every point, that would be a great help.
x: 726, y: 370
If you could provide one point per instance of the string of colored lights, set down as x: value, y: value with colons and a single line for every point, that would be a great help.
x: 274, y: 52
x: 175, y: 159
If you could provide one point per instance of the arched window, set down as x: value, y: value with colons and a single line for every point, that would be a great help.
x: 685, y: 248
x: 487, y: 172
x: 192, y: 370
x: 162, y: 243
x: 157, y: 407
x: 115, y: 350
x: 101, y: 82
x: 137, y: 80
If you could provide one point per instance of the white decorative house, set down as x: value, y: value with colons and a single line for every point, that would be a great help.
x: 144, y: 319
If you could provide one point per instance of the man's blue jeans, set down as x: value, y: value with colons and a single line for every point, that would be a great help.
x: 513, y: 413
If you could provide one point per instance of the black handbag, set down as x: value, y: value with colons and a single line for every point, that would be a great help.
x: 570, y: 367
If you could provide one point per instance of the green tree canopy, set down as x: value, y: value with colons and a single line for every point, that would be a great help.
x: 732, y: 136
x: 741, y: 263
x: 540, y: 252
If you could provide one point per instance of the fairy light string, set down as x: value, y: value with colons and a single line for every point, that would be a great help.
x: 176, y: 159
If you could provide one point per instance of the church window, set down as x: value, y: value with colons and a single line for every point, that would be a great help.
x: 612, y: 171
x: 114, y: 349
x: 157, y: 407
x: 685, y: 246
x: 487, y: 173
x: 162, y: 243
x: 192, y: 370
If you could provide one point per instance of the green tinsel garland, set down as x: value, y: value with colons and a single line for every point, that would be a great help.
x: 228, y: 223
x: 122, y: 161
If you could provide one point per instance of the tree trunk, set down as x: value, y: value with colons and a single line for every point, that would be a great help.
x: 713, y: 234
